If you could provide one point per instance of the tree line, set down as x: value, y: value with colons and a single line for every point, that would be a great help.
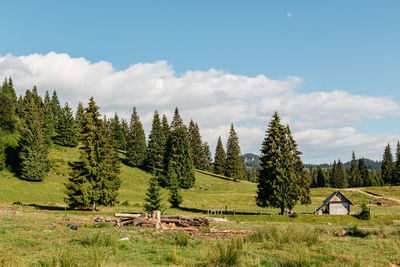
x: 358, y: 175
x: 30, y: 125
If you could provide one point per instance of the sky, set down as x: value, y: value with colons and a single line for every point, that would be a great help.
x: 331, y: 69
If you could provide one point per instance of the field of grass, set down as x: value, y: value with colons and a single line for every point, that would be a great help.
x: 37, y: 233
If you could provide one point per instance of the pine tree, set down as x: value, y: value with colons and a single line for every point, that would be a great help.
x: 195, y: 144
x: 136, y: 142
x: 179, y: 159
x: 320, y: 177
x: 354, y: 176
x: 220, y: 158
x: 8, y: 118
x: 153, y: 196
x: 396, y: 169
x: 363, y: 170
x: 234, y: 161
x: 94, y: 178
x: 339, y: 175
x: 80, y: 117
x: 387, y: 165
x: 48, y: 117
x: 125, y: 130
x: 156, y: 146
x: 33, y: 149
x: 2, y: 155
x: 281, y: 179
x: 206, y: 160
x: 66, y: 131
x: 117, y: 133
x: 175, y: 196
x: 55, y: 107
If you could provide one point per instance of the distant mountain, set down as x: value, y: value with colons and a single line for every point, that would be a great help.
x: 251, y: 160
x: 371, y: 164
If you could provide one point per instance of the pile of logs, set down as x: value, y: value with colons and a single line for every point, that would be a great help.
x: 158, y: 221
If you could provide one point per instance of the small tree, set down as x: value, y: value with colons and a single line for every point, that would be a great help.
x: 234, y: 162
x: 365, y: 213
x: 220, y: 158
x: 175, y: 197
x: 153, y: 196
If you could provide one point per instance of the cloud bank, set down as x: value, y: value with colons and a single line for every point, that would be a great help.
x: 322, y: 122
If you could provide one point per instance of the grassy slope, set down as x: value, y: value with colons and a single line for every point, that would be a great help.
x: 210, y: 192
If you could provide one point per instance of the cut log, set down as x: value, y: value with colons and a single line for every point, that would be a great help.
x: 127, y: 215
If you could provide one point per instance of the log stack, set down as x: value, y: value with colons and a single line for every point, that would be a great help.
x: 157, y: 221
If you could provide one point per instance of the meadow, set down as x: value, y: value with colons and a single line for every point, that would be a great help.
x: 34, y: 227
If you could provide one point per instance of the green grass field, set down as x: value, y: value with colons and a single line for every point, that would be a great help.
x: 39, y: 235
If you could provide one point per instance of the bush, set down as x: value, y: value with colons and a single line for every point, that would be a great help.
x: 293, y: 215
x: 181, y: 239
x: 228, y: 254
x: 365, y: 213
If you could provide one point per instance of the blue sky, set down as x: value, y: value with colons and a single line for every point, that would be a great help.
x: 351, y: 46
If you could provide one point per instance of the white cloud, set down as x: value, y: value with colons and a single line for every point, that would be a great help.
x: 213, y: 98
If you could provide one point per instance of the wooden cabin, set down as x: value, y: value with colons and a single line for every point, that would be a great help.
x: 335, y: 204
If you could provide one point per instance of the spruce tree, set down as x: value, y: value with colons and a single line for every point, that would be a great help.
x: 206, y: 160
x: 234, y: 161
x: 48, y: 117
x: 55, y: 106
x: 33, y: 148
x: 136, y: 142
x: 396, y: 169
x: 66, y: 130
x: 195, y: 144
x: 219, y: 158
x: 320, y: 177
x: 94, y: 177
x: 125, y: 130
x: 339, y: 175
x: 153, y: 196
x: 175, y: 196
x: 387, y: 165
x: 281, y: 179
x: 156, y: 147
x: 354, y: 175
x: 117, y: 133
x: 179, y: 159
x: 8, y: 118
x: 80, y: 117
x: 2, y: 155
x: 363, y: 170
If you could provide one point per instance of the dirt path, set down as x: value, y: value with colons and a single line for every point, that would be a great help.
x: 372, y: 195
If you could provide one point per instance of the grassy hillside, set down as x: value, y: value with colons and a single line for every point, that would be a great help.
x: 210, y: 191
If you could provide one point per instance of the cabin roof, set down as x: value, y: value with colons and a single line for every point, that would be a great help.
x: 332, y: 198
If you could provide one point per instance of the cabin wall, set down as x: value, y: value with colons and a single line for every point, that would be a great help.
x: 341, y: 208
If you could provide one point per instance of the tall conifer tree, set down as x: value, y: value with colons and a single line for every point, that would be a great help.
x: 206, y: 160
x: 219, y: 158
x: 320, y: 177
x: 117, y: 133
x: 156, y: 146
x: 33, y: 148
x: 281, y: 179
x: 387, y: 165
x: 396, y: 168
x: 234, y: 161
x: 354, y: 175
x: 363, y: 170
x: 136, y: 142
x: 80, y: 117
x: 66, y: 130
x: 94, y: 177
x: 179, y: 161
x: 195, y: 144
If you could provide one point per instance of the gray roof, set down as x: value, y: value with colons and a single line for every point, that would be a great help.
x: 329, y: 199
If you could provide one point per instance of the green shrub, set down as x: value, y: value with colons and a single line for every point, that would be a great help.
x: 228, y: 254
x: 181, y: 239
x: 293, y: 215
x: 365, y: 213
